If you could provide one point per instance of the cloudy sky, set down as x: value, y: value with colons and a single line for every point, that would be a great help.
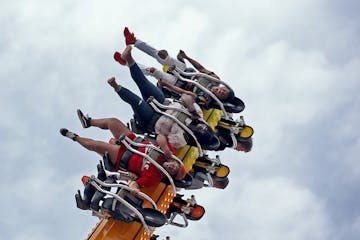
x: 295, y: 64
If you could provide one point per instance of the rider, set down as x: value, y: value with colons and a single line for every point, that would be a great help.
x: 161, y: 56
x: 182, y: 55
x: 222, y: 92
x: 150, y: 119
x: 148, y: 174
x: 243, y: 145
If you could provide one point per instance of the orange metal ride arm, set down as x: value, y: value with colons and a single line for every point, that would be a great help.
x: 110, y: 229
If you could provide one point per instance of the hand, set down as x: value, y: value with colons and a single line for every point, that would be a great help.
x: 113, y: 175
x: 194, y: 115
x: 134, y: 187
x: 163, y: 83
x: 149, y: 70
x: 182, y: 54
x: 168, y: 154
x: 192, y: 94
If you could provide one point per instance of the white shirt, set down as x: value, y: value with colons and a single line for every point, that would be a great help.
x: 171, y: 129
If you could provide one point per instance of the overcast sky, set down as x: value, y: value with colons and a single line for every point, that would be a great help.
x: 295, y: 64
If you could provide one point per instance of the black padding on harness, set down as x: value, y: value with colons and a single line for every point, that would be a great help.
x: 236, y: 105
x: 127, y: 154
x: 138, y: 127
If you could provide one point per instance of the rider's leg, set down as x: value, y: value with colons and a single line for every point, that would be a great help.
x: 146, y: 88
x: 146, y: 48
x: 116, y: 127
x: 141, y: 108
x: 161, y: 56
x: 99, y: 147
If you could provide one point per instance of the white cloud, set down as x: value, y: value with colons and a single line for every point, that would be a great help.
x: 266, y: 208
x: 295, y: 64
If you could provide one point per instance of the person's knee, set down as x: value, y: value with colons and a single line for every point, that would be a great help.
x: 115, y: 121
x: 118, y: 127
x: 163, y: 54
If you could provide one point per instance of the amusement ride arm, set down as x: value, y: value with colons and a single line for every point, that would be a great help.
x: 128, y: 205
x: 141, y: 194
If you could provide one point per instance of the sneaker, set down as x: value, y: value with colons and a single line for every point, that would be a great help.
x: 129, y: 37
x: 67, y: 133
x: 119, y: 59
x: 84, y: 119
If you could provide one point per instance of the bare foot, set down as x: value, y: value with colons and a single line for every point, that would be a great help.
x: 112, y: 82
x: 126, y: 54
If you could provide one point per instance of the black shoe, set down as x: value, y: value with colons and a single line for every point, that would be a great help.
x: 84, y: 119
x: 67, y: 133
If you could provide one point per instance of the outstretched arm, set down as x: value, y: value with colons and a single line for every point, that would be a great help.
x: 176, y: 89
x: 187, y: 98
x: 196, y: 64
x: 159, y: 75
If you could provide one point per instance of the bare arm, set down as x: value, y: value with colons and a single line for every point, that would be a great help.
x: 189, y: 102
x: 163, y: 144
x: 135, y: 188
x: 177, y: 89
x: 196, y: 64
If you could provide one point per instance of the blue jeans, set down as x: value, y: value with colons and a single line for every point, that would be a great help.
x: 142, y: 110
x: 146, y: 88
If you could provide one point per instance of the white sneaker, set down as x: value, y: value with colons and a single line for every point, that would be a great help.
x: 68, y: 134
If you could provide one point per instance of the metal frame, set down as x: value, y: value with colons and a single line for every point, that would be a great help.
x: 172, y: 217
x: 94, y: 182
x: 154, y: 104
x: 192, y: 74
x: 177, y: 72
x: 122, y: 186
x: 152, y: 147
x: 127, y: 145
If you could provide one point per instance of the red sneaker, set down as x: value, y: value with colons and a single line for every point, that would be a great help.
x: 84, y: 179
x: 117, y: 57
x: 129, y: 37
